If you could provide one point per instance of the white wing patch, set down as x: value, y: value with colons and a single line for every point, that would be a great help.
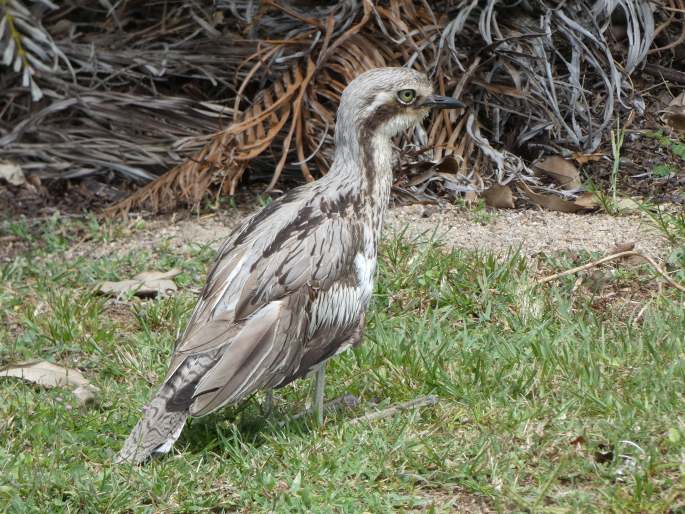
x: 365, y: 269
x: 341, y: 305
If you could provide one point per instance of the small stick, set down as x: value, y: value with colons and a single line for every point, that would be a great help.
x: 394, y: 409
x: 611, y: 258
x: 666, y: 73
x: 640, y: 314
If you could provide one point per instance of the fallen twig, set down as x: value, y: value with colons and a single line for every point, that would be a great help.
x: 637, y: 318
x: 394, y: 409
x: 663, y: 72
x: 611, y: 258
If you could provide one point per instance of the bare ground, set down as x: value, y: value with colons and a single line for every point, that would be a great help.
x: 532, y: 231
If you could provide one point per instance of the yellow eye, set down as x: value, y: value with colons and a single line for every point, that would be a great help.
x: 406, y: 96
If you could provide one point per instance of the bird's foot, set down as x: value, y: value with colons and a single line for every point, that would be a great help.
x: 346, y: 401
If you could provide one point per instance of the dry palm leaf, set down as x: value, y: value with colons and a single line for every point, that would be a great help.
x: 205, y: 92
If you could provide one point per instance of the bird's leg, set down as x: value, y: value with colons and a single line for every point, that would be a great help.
x: 268, y: 403
x: 319, y: 385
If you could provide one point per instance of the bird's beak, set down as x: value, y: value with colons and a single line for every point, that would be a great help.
x: 442, y: 102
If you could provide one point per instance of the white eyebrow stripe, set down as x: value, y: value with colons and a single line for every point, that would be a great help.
x: 381, y: 98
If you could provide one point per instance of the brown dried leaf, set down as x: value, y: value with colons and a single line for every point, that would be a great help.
x: 145, y: 285
x: 500, y: 197
x: 584, y: 158
x: 627, y: 247
x: 561, y: 170
x: 578, y: 441
x: 587, y: 201
x: 549, y: 202
x: 621, y: 247
x: 448, y: 165
x: 421, y: 177
x: 51, y: 375
x: 674, y: 114
x: 635, y: 260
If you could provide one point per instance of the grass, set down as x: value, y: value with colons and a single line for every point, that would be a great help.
x: 675, y: 145
x: 477, y: 212
x: 671, y: 147
x: 555, y: 398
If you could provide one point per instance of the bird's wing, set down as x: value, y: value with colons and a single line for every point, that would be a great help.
x: 254, y: 310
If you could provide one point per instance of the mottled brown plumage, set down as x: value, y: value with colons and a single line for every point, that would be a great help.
x: 290, y: 287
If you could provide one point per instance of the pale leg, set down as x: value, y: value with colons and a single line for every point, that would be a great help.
x: 268, y: 403
x: 319, y: 385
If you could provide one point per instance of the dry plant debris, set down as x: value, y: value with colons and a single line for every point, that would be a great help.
x: 11, y: 173
x: 51, y: 375
x: 148, y: 284
x: 202, y: 93
x: 499, y: 197
x: 555, y: 203
x: 674, y: 114
x: 559, y: 169
x: 612, y: 257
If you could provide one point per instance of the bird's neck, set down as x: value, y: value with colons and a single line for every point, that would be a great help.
x: 361, y: 177
x: 363, y: 167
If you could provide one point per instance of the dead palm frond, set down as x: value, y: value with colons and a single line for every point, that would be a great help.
x: 204, y: 93
x: 26, y: 46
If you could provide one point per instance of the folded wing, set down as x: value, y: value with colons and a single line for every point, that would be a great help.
x: 255, y: 314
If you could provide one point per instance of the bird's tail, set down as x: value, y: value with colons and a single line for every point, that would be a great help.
x: 155, y: 433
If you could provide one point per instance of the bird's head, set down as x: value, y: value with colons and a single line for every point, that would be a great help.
x: 386, y: 101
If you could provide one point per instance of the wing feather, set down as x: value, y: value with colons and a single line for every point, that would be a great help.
x: 246, y: 364
x: 256, y: 308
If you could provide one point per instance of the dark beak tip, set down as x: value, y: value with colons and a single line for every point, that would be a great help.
x: 444, y: 102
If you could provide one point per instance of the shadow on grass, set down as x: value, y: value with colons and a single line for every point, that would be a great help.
x: 245, y: 423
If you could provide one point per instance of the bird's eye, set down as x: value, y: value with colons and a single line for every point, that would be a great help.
x: 406, y: 96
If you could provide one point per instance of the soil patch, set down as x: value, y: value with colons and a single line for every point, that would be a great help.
x: 531, y: 231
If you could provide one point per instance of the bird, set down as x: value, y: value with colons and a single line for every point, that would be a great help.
x: 291, y: 285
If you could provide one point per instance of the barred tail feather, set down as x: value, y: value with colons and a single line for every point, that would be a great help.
x: 165, y: 415
x: 155, y: 433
